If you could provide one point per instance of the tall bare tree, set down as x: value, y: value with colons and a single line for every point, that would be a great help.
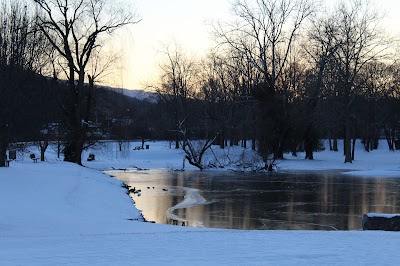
x: 319, y: 47
x: 75, y: 28
x: 177, y: 87
x: 264, y: 32
x: 21, y: 50
x: 378, y: 81
x: 359, y: 40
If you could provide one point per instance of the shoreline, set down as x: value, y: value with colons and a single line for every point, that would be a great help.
x: 192, y: 197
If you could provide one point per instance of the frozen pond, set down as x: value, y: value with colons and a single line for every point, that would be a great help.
x: 284, y: 201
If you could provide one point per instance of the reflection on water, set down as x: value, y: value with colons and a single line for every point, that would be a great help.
x: 285, y: 201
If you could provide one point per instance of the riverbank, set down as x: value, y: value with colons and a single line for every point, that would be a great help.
x: 162, y: 155
x: 55, y: 213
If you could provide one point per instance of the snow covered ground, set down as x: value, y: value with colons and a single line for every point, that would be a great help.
x: 57, y: 213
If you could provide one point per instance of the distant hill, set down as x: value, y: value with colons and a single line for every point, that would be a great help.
x: 137, y: 94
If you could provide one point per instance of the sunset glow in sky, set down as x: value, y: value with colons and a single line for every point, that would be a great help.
x: 185, y: 21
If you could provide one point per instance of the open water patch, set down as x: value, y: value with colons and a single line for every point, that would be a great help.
x: 282, y: 201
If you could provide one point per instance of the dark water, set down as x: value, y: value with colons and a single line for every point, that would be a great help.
x: 285, y: 201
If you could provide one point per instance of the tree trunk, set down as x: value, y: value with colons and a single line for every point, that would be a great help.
x: 58, y: 148
x: 42, y: 155
x: 330, y: 140
x: 78, y: 150
x: 244, y: 137
x: 309, y: 154
x: 3, y: 152
x: 353, y: 145
x: 335, y: 144
x: 309, y: 142
x: 372, y: 128
x: 278, y: 154
x: 74, y: 144
x: 347, y: 141
x: 74, y: 147
x: 375, y: 143
x: 308, y: 146
x: 367, y: 139
x: 222, y: 139
x: 353, y: 148
x: 388, y: 138
x: 177, y: 141
x: 4, y: 142
x: 89, y: 99
x: 367, y: 144
x: 370, y: 118
x: 43, y: 147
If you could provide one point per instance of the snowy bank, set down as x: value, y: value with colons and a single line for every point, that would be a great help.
x: 162, y: 155
x: 377, y: 163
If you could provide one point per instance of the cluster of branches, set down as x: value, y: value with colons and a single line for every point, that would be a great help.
x: 74, y: 30
x: 21, y: 48
x: 284, y: 75
x: 61, y: 39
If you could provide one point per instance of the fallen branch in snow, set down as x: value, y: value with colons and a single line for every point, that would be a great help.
x: 381, y: 221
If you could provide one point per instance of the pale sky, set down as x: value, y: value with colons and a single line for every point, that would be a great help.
x: 184, y: 21
x: 163, y: 22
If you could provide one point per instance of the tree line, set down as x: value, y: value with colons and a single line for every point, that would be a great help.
x: 60, y: 43
x: 283, y: 75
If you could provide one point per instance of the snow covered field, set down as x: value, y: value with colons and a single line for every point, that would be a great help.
x: 57, y: 213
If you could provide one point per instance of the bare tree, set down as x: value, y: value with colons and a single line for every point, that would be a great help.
x: 264, y: 32
x: 194, y: 149
x: 226, y: 83
x: 217, y: 90
x: 377, y: 81
x: 21, y: 49
x: 319, y: 47
x: 177, y: 87
x: 75, y: 28
x: 359, y: 41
